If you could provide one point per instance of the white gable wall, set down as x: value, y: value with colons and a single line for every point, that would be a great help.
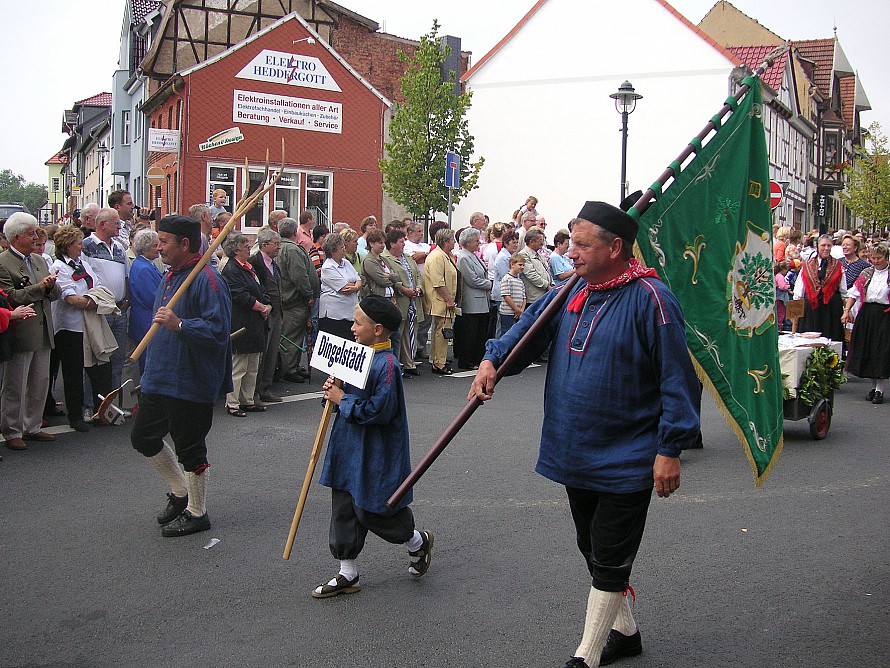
x: 543, y: 119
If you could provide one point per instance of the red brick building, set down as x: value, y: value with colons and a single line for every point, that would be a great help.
x: 195, y: 66
x: 282, y: 83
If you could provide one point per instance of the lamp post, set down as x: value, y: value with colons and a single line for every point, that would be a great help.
x: 625, y: 103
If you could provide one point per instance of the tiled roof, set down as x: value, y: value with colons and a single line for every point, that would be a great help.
x: 821, y: 52
x: 55, y: 160
x: 100, y: 100
x: 139, y: 9
x: 848, y: 97
x: 753, y: 57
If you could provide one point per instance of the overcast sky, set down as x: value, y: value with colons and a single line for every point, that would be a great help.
x: 55, y: 52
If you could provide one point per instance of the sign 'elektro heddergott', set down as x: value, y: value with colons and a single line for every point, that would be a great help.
x: 346, y: 360
x: 288, y: 68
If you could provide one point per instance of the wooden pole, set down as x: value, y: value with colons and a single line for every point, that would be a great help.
x: 556, y: 305
x: 247, y: 202
x: 307, y: 481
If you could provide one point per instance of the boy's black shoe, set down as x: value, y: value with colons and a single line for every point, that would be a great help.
x: 186, y: 524
x: 421, y: 558
x: 173, y: 509
x: 619, y: 645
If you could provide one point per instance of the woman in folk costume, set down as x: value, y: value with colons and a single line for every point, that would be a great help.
x: 870, y: 344
x: 823, y: 288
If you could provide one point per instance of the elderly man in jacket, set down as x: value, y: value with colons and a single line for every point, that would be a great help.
x: 300, y: 287
x: 27, y: 279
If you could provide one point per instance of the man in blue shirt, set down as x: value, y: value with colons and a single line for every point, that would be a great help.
x: 188, y: 365
x: 620, y: 402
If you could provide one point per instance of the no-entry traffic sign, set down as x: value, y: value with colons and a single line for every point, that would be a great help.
x: 775, y: 195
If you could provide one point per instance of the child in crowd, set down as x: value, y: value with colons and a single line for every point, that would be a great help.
x: 368, y: 456
x: 512, y: 294
x: 782, y: 292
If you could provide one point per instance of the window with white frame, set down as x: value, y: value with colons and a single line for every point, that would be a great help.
x: 287, y: 194
x: 56, y: 184
x: 125, y: 127
x: 318, y: 197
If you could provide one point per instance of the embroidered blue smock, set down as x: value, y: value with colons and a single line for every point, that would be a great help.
x: 620, y: 386
x: 194, y: 363
x: 368, y: 453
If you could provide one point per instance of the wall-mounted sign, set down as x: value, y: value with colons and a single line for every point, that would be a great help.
x: 290, y: 69
x: 230, y: 136
x: 287, y: 112
x: 163, y: 141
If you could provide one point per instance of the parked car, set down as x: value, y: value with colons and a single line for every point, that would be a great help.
x: 9, y: 208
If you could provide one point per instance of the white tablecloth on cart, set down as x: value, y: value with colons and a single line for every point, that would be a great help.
x: 794, y: 350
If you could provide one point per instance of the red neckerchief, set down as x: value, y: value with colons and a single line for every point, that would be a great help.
x: 813, y: 286
x: 634, y: 271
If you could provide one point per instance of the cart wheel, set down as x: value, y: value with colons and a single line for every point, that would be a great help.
x: 820, y: 419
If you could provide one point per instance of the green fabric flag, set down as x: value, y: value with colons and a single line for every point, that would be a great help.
x: 709, y: 238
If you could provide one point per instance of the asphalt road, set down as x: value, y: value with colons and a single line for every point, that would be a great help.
x: 794, y: 573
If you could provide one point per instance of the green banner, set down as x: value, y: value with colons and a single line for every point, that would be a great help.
x: 709, y: 237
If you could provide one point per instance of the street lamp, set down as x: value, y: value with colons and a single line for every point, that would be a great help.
x: 625, y: 103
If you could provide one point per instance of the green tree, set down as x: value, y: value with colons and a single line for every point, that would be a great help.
x: 430, y: 122
x: 867, y: 192
x: 14, y: 189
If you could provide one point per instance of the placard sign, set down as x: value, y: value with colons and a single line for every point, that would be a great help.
x: 163, y: 141
x: 346, y: 360
x: 287, y: 112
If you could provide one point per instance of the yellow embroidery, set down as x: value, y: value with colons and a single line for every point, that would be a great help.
x: 755, y: 189
x: 693, y: 252
x: 759, y: 376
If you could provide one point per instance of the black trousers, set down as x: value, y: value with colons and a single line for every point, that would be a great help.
x: 350, y: 525
x: 69, y: 348
x: 187, y: 422
x: 609, y: 528
x: 470, y: 332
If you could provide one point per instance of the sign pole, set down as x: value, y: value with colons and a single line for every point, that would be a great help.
x: 452, y: 178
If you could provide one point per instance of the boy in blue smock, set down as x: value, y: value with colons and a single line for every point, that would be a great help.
x: 368, y: 456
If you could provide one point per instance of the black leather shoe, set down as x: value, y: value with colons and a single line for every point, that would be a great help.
x: 575, y: 662
x: 174, y: 508
x: 619, y: 646
x: 294, y: 378
x: 186, y: 524
x: 878, y: 398
x: 80, y: 425
x: 871, y: 394
x: 53, y: 411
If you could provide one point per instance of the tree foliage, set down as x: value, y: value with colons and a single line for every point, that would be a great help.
x: 867, y: 192
x: 431, y: 122
x: 14, y: 189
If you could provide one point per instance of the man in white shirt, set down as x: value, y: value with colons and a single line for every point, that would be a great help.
x: 109, y: 260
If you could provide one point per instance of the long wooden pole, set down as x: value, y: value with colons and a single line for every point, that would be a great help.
x: 246, y: 204
x: 556, y: 305
x: 310, y: 471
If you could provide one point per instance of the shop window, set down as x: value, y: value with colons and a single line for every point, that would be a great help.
x: 256, y: 217
x: 222, y: 178
x: 287, y: 194
x: 318, y: 197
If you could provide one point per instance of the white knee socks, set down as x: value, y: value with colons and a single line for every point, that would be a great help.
x: 602, y: 607
x: 166, y: 464
x: 624, y: 620
x: 348, y: 569
x: 197, y: 493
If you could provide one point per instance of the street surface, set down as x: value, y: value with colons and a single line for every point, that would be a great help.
x: 796, y: 573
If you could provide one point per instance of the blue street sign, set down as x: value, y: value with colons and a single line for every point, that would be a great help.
x: 452, y: 170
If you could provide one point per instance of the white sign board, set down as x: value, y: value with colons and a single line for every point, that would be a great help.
x: 290, y: 69
x: 163, y: 141
x: 287, y: 112
x: 224, y: 138
x: 345, y: 360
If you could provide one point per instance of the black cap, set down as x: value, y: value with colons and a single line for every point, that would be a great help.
x: 382, y: 311
x: 182, y: 226
x: 610, y: 218
x: 630, y: 200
